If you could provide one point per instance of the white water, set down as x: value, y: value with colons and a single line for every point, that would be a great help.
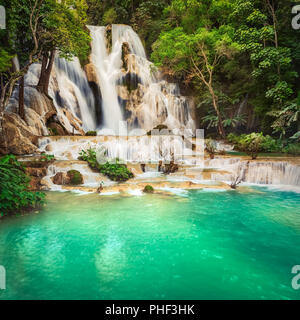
x: 74, y: 91
x: 153, y: 102
x: 108, y: 67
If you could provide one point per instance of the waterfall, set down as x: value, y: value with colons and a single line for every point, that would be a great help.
x: 132, y: 90
x: 108, y: 67
x: 73, y: 91
x: 258, y: 172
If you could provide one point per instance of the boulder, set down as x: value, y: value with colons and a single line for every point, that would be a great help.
x: 13, y: 141
x: 72, y: 177
x: 91, y: 72
x: 61, y: 178
x: 37, y: 172
x: 56, y: 129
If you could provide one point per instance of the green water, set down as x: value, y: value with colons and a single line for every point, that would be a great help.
x: 199, y: 245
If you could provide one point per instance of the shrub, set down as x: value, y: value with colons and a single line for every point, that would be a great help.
x: 148, y: 189
x: 292, y: 148
x: 89, y: 156
x: 14, y: 183
x: 252, y: 144
x: 75, y: 177
x: 91, y: 134
x: 271, y: 145
x: 114, y: 171
x: 210, y: 147
x: 268, y: 144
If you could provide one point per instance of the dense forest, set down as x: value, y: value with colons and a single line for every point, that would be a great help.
x: 239, y: 59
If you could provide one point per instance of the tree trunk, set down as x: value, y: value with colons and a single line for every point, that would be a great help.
x: 47, y: 65
x: 220, y: 123
x: 21, y: 99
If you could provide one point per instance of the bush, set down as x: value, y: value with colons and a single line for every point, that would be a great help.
x: 210, y: 147
x: 271, y: 145
x: 267, y: 143
x: 75, y: 177
x: 91, y: 134
x: 252, y: 144
x: 148, y: 189
x: 114, y: 171
x: 292, y: 148
x: 14, y: 183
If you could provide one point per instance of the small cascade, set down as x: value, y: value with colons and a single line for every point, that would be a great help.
x: 257, y: 172
x: 149, y: 100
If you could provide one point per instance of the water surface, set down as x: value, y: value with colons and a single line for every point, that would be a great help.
x: 195, y: 245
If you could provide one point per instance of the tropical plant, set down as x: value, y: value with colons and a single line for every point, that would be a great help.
x: 212, y: 121
x: 14, y: 183
x: 285, y: 118
x: 252, y: 144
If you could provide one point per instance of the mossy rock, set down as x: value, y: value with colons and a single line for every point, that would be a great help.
x: 148, y: 189
x: 91, y: 134
x: 75, y: 177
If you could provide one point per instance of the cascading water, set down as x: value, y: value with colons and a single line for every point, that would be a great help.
x: 73, y: 91
x: 131, y: 89
x: 108, y: 67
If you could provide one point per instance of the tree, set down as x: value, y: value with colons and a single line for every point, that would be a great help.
x: 64, y: 31
x: 9, y: 75
x: 196, y: 56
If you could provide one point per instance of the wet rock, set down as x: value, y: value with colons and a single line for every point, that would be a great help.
x: 56, y: 129
x: 36, y: 172
x: 13, y: 139
x: 61, y: 178
x: 34, y: 184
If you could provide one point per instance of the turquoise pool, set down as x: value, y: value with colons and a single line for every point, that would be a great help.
x: 195, y: 245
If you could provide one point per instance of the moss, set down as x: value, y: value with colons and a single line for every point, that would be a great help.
x: 148, y: 189
x: 91, y: 134
x: 75, y: 177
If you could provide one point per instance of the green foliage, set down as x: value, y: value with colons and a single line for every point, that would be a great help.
x: 286, y: 118
x: 91, y: 133
x: 252, y: 144
x: 212, y: 121
x: 110, y: 16
x: 47, y: 158
x: 14, y: 183
x: 293, y: 149
x: 75, y: 177
x: 148, y: 189
x: 255, y: 142
x: 114, y: 171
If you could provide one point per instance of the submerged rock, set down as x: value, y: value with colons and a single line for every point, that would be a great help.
x: 61, y: 178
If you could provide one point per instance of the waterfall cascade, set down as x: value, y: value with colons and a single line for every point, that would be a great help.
x: 131, y: 88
